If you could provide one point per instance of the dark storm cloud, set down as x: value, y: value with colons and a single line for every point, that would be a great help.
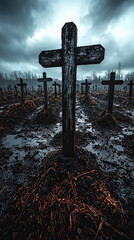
x: 102, y: 12
x: 17, y: 22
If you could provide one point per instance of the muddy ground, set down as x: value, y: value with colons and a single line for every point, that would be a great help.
x: 109, y: 140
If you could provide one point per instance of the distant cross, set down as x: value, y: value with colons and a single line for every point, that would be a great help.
x: 86, y: 87
x: 40, y: 88
x: 69, y: 56
x: 82, y: 88
x: 9, y: 88
x: 112, y: 82
x: 59, y: 85
x: 1, y: 91
x: 77, y: 87
x: 96, y: 88
x: 45, y: 80
x: 16, y: 90
x: 130, y: 88
x: 55, y: 89
x: 21, y: 85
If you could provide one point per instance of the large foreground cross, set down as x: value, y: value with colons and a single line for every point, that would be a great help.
x: 69, y: 56
x: 112, y: 82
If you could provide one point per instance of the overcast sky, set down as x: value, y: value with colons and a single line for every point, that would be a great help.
x: 28, y: 27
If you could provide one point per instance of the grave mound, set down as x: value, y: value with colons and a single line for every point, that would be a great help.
x: 16, y: 113
x: 68, y: 200
x: 106, y: 119
x: 87, y: 99
x: 46, y: 116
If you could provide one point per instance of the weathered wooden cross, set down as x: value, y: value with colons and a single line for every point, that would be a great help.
x: 45, y: 80
x: 69, y: 56
x: 130, y: 88
x: 40, y: 88
x: 16, y: 90
x: 82, y: 88
x: 86, y: 87
x: 21, y: 85
x: 59, y: 85
x: 9, y: 88
x: 1, y: 91
x: 112, y: 82
x: 55, y: 89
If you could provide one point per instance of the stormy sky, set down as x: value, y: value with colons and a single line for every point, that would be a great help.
x: 27, y: 27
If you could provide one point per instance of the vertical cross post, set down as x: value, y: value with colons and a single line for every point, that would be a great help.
x: 130, y: 88
x: 55, y: 89
x: 112, y: 82
x: 21, y: 85
x: 16, y: 90
x: 82, y: 88
x: 45, y: 80
x: 1, y: 91
x: 69, y: 56
x: 59, y: 85
x: 69, y: 44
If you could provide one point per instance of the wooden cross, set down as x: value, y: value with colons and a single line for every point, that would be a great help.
x: 21, y: 85
x: 112, y: 82
x: 45, y: 80
x: 1, y: 91
x: 9, y: 88
x: 40, y: 88
x: 16, y: 90
x: 59, y: 85
x: 55, y: 89
x: 82, y: 88
x: 130, y: 88
x: 86, y: 87
x: 69, y: 56
x: 25, y: 86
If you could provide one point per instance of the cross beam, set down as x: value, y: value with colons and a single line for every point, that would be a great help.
x: 130, y: 88
x: 86, y: 87
x: 69, y: 56
x: 45, y: 80
x: 21, y: 85
x: 112, y: 82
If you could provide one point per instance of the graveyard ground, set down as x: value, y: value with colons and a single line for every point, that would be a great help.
x: 45, y: 195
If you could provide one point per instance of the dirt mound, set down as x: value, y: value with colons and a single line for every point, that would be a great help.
x: 87, y: 99
x: 16, y: 113
x: 68, y: 200
x: 106, y: 119
x: 46, y: 116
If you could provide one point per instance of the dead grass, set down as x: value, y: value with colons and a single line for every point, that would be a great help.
x: 69, y: 200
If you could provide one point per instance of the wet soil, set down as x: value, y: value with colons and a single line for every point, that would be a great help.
x: 108, y: 140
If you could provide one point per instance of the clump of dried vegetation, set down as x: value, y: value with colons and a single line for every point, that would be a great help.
x: 68, y: 200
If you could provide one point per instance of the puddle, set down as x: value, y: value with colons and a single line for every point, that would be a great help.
x: 128, y: 131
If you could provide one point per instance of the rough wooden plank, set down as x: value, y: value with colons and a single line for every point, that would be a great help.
x: 69, y: 43
x: 51, y: 58
x: 89, y: 54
